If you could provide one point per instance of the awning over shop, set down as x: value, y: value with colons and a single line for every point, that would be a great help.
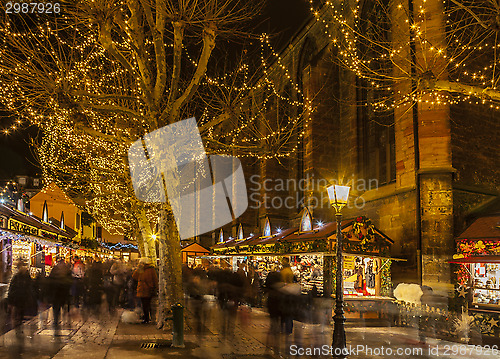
x: 193, y: 250
x: 483, y: 228
x: 20, y: 222
x: 476, y: 259
x: 360, y: 237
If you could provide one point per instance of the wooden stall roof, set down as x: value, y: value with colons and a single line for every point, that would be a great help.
x: 195, y: 247
x: 487, y: 227
x: 476, y: 259
x: 292, y: 236
x: 34, y: 221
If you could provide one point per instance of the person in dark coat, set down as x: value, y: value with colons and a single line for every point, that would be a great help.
x: 21, y: 295
x: 93, y: 287
x: 60, y: 281
x: 41, y: 291
x: 272, y: 287
x: 229, y: 293
x: 147, y: 285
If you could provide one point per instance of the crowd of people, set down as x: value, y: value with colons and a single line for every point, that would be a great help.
x: 238, y: 291
x: 87, y: 286
x: 91, y: 287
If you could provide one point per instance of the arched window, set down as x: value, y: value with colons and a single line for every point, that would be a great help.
x: 266, y: 232
x: 306, y: 221
x: 240, y: 232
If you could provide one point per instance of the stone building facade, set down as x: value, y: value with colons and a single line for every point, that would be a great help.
x: 416, y: 173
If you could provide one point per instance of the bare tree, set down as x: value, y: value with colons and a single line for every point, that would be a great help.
x: 100, y: 75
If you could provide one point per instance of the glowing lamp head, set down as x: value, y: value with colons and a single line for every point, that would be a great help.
x: 338, y: 196
x: 153, y: 236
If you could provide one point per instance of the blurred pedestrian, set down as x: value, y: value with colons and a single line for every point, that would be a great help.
x: 286, y: 272
x: 119, y: 272
x: 131, y: 286
x: 147, y: 285
x: 254, y: 294
x: 21, y: 296
x: 93, y: 287
x: 272, y: 286
x: 196, y: 288
x: 78, y: 272
x: 229, y: 294
x: 42, y: 296
x: 60, y: 281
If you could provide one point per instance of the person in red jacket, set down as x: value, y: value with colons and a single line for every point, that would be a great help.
x: 147, y: 284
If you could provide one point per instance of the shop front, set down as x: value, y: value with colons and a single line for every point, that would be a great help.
x: 26, y: 238
x: 478, y: 273
x: 193, y: 253
x: 367, y: 262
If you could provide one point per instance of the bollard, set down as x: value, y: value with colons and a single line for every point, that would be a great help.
x: 178, y: 326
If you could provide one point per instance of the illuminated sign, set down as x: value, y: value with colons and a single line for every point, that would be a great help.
x: 22, y: 227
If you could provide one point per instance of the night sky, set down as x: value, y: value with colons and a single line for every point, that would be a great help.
x: 280, y: 18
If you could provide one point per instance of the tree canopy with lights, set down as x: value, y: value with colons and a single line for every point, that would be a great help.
x: 99, y: 75
x: 448, y: 49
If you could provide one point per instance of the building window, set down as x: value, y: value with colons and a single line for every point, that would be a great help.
x: 99, y: 232
x: 378, y: 150
x: 377, y: 143
x: 77, y: 224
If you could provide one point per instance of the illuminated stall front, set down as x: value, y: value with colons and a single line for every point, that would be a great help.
x: 366, y: 256
x: 478, y: 274
x: 28, y: 238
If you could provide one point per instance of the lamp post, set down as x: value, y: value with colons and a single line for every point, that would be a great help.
x: 338, y: 198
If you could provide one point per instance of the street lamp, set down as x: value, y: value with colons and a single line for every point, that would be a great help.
x: 338, y: 199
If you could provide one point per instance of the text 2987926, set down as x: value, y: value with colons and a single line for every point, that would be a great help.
x: 32, y: 8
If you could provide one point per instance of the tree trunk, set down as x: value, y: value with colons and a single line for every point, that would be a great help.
x: 149, y: 245
x: 170, y: 268
x: 140, y: 242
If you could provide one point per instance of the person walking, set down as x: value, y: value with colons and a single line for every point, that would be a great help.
x: 147, y: 285
x: 78, y: 272
x: 21, y: 295
x: 93, y: 287
x: 60, y: 281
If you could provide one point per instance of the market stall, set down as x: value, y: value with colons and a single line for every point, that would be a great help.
x: 28, y: 238
x: 478, y: 273
x: 192, y: 254
x: 367, y: 260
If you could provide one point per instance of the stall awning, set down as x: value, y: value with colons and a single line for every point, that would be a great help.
x: 476, y: 259
x: 194, y: 248
x: 360, y: 237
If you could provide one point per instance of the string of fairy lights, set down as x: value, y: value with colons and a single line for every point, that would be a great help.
x: 61, y: 78
x: 81, y: 84
x: 343, y: 26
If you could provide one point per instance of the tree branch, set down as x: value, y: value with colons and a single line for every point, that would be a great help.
x: 176, y: 69
x: 208, y: 45
x: 456, y: 87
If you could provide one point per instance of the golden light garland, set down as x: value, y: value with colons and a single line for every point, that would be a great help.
x: 90, y: 108
x: 342, y: 25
